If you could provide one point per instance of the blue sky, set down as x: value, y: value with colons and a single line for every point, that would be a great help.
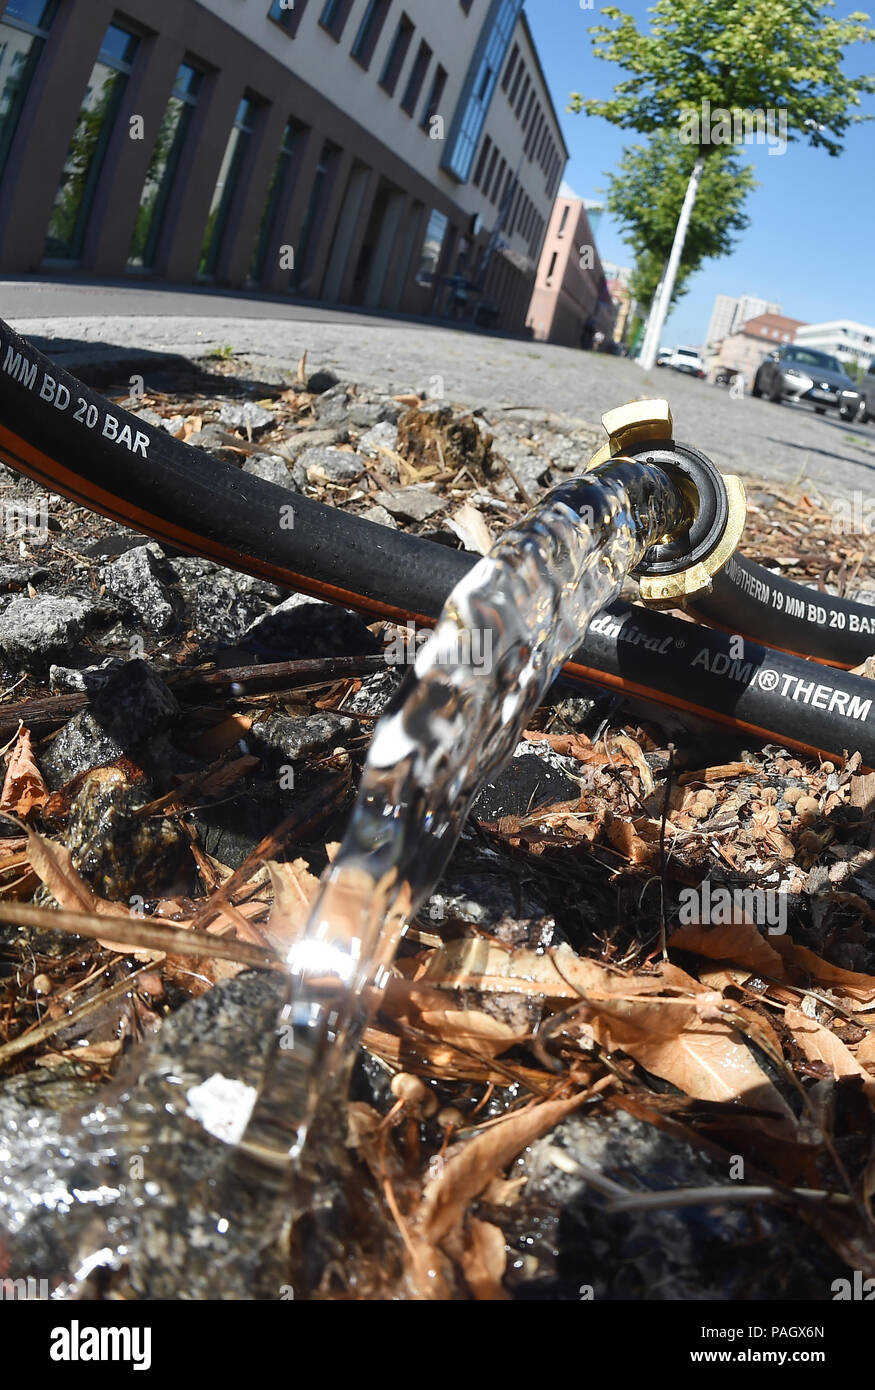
x: 811, y: 240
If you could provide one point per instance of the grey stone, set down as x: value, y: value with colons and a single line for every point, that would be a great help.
x: 81, y: 744
x: 311, y: 439
x: 380, y: 436
x: 137, y: 577
x: 273, y: 469
x: 246, y: 415
x: 330, y: 465
x: 33, y: 629
x: 380, y: 516
x: 410, y: 503
x: 296, y: 737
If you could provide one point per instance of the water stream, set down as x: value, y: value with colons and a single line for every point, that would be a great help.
x: 505, y: 631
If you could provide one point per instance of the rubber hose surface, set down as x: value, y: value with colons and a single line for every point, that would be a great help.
x: 72, y: 440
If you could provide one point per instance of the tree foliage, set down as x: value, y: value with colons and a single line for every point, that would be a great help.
x: 645, y: 195
x: 740, y: 55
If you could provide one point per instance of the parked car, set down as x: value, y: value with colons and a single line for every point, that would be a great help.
x: 663, y: 357
x: 796, y: 373
x: 867, y: 395
x: 687, y: 359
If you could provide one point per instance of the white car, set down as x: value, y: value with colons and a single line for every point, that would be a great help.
x: 687, y: 359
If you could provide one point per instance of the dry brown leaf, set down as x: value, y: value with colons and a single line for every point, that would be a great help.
x: 703, y: 1057
x: 294, y: 888
x: 739, y: 942
x: 483, y: 1260
x: 625, y: 838
x: 851, y: 983
x: 221, y: 737
x: 24, y: 787
x: 821, y: 1045
x: 465, y: 1175
x: 52, y: 863
x: 865, y: 1049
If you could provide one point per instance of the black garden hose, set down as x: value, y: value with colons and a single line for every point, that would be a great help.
x: 72, y: 440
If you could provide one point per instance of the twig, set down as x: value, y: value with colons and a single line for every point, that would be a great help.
x: 707, y: 1196
x: 140, y: 933
x: 52, y: 1025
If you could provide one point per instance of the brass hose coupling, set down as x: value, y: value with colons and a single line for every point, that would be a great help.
x: 679, y: 569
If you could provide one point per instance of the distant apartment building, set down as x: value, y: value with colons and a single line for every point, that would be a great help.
x: 852, y: 343
x: 745, y: 349
x: 571, y: 301
x: 619, y: 279
x: 393, y: 154
x: 729, y: 313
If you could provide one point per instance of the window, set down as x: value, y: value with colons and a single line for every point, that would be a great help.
x: 328, y: 158
x: 553, y: 259
x: 94, y: 126
x: 23, y: 32
x: 481, y: 162
x: 497, y: 184
x: 369, y: 32
x: 432, y: 106
x: 226, y: 183
x: 287, y: 14
x: 466, y: 5
x: 511, y: 64
x: 397, y: 53
x: 163, y: 165
x: 416, y: 78
x: 520, y: 72
x: 479, y: 85
x: 492, y: 163
x: 524, y: 91
x: 564, y: 222
x: 334, y: 16
x: 288, y: 146
x: 432, y: 247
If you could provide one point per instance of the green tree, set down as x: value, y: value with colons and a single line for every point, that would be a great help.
x: 645, y: 195
x: 782, y: 57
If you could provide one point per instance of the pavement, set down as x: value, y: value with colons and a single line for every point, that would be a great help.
x: 82, y: 324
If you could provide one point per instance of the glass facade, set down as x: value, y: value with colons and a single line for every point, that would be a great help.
x: 479, y: 86
x: 432, y: 246
x: 327, y: 163
x: 163, y: 166
x: 278, y: 178
x: 223, y: 193
x: 23, y: 32
x: 94, y: 125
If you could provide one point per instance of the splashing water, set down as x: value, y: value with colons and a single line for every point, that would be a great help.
x: 526, y: 606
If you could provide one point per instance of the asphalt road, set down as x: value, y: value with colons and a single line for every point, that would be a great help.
x: 80, y: 322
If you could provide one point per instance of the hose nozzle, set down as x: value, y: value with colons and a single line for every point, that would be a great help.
x: 679, y: 569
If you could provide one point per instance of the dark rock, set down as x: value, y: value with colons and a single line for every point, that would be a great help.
x: 526, y: 783
x: 292, y: 737
x: 138, y: 578
x: 66, y: 679
x: 118, y: 852
x: 125, y: 711
x: 322, y: 381
x: 303, y: 627
x: 220, y: 604
x: 18, y: 575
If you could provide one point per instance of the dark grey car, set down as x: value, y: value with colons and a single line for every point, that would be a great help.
x: 796, y: 373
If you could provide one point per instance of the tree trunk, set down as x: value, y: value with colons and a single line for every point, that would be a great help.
x: 662, y: 298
